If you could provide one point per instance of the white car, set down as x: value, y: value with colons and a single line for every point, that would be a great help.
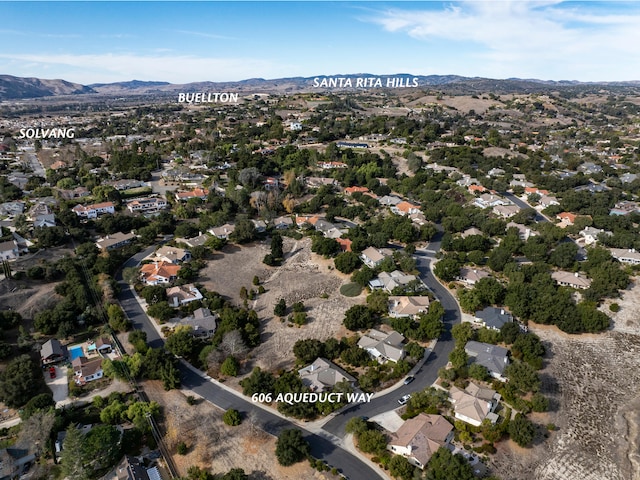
x: 404, y: 399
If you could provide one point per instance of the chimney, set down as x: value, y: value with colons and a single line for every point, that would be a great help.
x: 502, y: 311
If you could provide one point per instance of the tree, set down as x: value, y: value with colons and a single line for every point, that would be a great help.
x: 281, y: 308
x: 522, y: 376
x: 276, y: 246
x: 479, y: 372
x: 245, y: 231
x: 20, y: 381
x: 462, y: 333
x: 36, y: 430
x: 161, y: 311
x: 72, y: 458
x: 356, y: 425
x: 235, y: 474
x: 181, y: 342
x: 521, y: 430
x: 258, y: 382
x: 307, y: 350
x: 447, y: 269
x: 372, y: 441
x: 510, y: 332
x: 358, y: 317
x: 291, y: 447
x: 347, y: 262
x: 399, y: 467
x: 232, y: 418
x: 230, y: 366
x: 101, y: 446
x: 117, y: 319
x: 42, y: 402
x: 446, y: 466
x: 458, y: 357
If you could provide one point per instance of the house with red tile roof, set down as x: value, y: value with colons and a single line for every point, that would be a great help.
x: 159, y: 273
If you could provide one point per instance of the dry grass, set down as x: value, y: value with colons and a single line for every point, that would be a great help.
x: 217, y: 447
x: 592, y: 381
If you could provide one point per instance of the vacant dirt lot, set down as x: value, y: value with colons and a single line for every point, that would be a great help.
x: 218, y: 447
x: 592, y: 381
x: 303, y: 277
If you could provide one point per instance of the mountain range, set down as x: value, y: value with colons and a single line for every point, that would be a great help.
x: 19, y: 88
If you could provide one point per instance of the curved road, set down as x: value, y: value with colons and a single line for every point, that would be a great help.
x: 438, y: 358
x: 323, y: 446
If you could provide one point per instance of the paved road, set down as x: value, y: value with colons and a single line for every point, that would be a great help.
x: 522, y: 204
x: 322, y: 447
x: 428, y: 373
x: 35, y: 164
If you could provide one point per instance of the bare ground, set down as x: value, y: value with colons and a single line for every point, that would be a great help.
x: 592, y: 382
x: 216, y: 446
x: 304, y: 277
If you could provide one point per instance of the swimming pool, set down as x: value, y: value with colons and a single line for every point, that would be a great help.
x: 76, y: 351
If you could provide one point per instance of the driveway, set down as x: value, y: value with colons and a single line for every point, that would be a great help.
x: 59, y: 385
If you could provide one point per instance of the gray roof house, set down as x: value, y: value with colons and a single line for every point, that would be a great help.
x: 383, y: 346
x: 53, y: 351
x: 203, y: 322
x: 492, y: 317
x: 494, y: 358
x: 323, y: 375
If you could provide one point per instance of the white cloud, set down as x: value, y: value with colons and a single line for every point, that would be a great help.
x: 120, y: 67
x: 205, y: 35
x: 545, y: 39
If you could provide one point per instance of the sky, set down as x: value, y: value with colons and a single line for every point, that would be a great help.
x: 181, y: 42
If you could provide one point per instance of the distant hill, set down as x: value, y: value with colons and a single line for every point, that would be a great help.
x: 19, y: 88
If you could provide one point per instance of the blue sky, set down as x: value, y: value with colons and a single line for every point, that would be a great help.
x: 182, y: 42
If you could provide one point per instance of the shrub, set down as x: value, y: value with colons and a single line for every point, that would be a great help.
x: 232, y: 418
x: 182, y: 448
x: 614, y: 307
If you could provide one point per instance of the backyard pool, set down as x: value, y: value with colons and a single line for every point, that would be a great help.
x: 76, y: 351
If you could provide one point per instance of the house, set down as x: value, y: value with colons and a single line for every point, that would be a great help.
x: 85, y: 370
x: 524, y: 232
x: 573, y: 280
x: 395, y: 279
x: 547, y: 201
x: 259, y: 225
x: 567, y: 218
x: 114, y: 241
x: 489, y: 200
x: 168, y: 254
x: 14, y: 462
x: 131, y: 468
x: 629, y: 256
x: 9, y: 250
x: 127, y: 184
x: 323, y: 375
x: 203, y: 323
x: 494, y: 358
x: 473, y: 404
x: 352, y: 190
x: 506, y: 211
x: 198, y: 241
x: 102, y: 345
x: 470, y: 232
x: 282, y: 223
x: 183, y: 294
x: 420, y: 437
x: 492, y: 317
x: 159, y: 273
x: 590, y: 234
x: 624, y: 208
x: 471, y: 276
x: 52, y: 351
x: 389, y: 200
x: 12, y: 209
x: 405, y: 208
x: 476, y: 189
x: 44, y: 221
x: 408, y: 306
x: 200, y: 193
x: 535, y: 190
x: 372, y: 257
x: 94, y: 210
x: 306, y: 220
x: 383, y: 346
x: 345, y: 244
x: 315, y: 182
x: 147, y: 204
x: 223, y: 232
x: 628, y: 177
x: 78, y: 192
x: 331, y: 165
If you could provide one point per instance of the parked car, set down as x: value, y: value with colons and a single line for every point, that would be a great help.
x: 404, y: 399
x: 52, y: 372
x: 409, y: 379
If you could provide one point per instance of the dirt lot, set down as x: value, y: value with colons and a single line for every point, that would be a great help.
x: 592, y: 382
x: 218, y: 447
x: 303, y: 277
